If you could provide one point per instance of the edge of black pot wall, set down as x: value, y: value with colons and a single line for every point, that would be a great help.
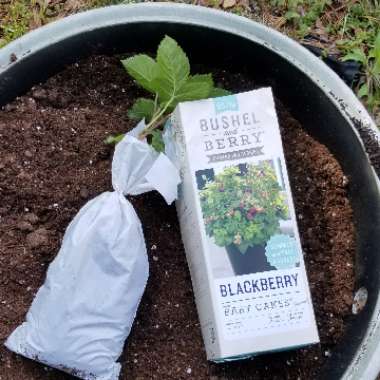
x: 318, y: 98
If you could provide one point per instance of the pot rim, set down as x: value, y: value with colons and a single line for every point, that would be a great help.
x: 364, y: 364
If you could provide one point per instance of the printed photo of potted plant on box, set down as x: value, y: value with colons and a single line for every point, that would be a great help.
x: 242, y: 209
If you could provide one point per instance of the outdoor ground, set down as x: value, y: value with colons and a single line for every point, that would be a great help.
x: 345, y: 29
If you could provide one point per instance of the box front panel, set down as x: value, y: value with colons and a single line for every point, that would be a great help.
x: 248, y: 231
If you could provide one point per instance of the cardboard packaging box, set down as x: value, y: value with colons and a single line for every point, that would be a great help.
x: 239, y: 228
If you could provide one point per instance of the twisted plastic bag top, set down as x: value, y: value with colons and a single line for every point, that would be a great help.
x: 138, y: 168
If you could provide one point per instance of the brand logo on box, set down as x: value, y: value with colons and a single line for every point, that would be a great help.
x: 226, y: 103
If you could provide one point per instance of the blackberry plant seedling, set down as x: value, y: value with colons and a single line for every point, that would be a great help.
x: 168, y: 79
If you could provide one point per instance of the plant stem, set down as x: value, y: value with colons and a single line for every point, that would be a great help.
x: 157, y: 119
x: 148, y: 131
x: 155, y: 103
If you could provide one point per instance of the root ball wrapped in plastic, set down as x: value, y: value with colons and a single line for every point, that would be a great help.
x: 82, y: 314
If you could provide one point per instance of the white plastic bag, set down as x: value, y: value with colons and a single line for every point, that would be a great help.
x: 84, y: 311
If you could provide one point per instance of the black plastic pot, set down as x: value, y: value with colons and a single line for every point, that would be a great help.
x: 252, y: 261
x: 313, y: 93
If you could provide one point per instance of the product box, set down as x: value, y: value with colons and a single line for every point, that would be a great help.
x: 239, y: 228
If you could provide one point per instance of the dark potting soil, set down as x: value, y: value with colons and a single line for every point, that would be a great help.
x: 53, y: 160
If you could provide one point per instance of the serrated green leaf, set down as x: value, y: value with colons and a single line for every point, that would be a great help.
x: 114, y: 139
x: 174, y: 69
x: 143, y: 69
x: 169, y: 79
x: 363, y: 91
x: 356, y: 54
x: 195, y: 88
x: 143, y: 108
x: 216, y: 92
x: 157, y: 142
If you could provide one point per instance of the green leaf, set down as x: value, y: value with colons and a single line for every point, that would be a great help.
x: 216, y: 92
x: 143, y: 108
x: 168, y: 78
x: 357, y: 55
x: 143, y: 69
x: 195, y: 88
x: 174, y: 69
x: 377, y: 47
x: 363, y: 90
x: 114, y: 139
x: 157, y: 142
x: 376, y: 51
x: 291, y: 15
